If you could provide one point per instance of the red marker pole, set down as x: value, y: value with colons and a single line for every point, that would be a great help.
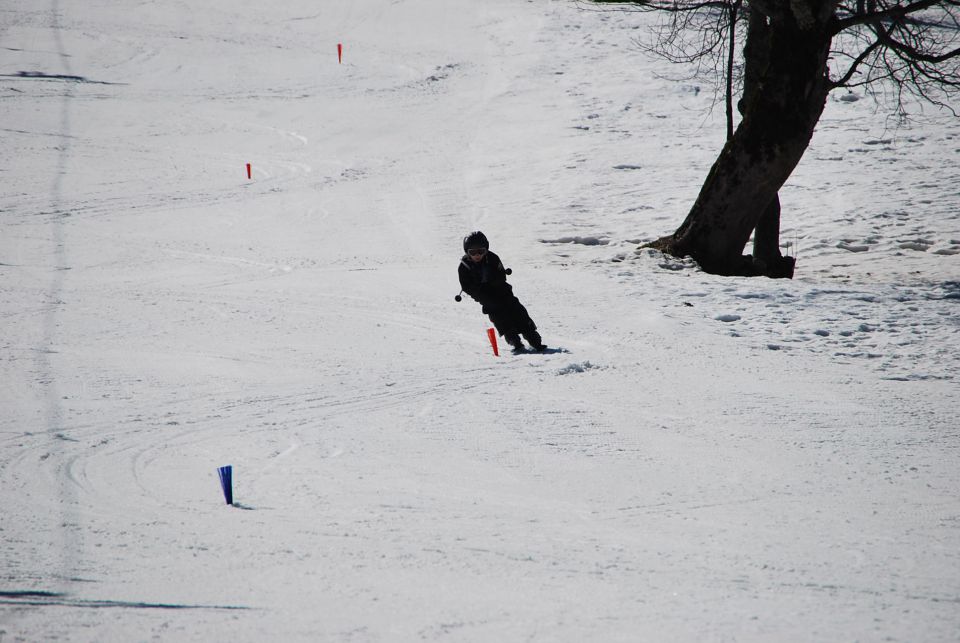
x: 492, y: 336
x: 340, y: 52
x: 248, y: 170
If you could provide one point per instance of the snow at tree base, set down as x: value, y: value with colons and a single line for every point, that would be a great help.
x: 707, y: 459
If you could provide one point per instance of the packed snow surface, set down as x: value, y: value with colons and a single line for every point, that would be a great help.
x: 696, y: 459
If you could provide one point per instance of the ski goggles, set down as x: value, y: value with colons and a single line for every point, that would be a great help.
x: 477, y: 252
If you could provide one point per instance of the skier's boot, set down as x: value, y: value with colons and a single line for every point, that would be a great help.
x: 514, y: 340
x: 533, y: 337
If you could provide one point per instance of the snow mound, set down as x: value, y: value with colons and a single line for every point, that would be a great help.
x: 581, y: 241
x: 582, y: 367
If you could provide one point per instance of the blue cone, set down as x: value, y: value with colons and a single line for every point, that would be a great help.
x: 226, y: 482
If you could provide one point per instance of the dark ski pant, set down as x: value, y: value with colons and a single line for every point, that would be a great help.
x: 510, y: 318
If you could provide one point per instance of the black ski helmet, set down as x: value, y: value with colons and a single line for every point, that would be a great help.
x: 475, y: 239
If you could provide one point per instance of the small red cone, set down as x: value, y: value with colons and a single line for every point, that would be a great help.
x: 340, y: 52
x: 492, y: 335
x: 248, y: 170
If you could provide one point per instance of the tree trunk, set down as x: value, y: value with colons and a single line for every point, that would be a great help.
x: 779, y: 115
x: 767, y: 259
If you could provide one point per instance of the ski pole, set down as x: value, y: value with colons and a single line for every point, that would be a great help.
x: 458, y: 297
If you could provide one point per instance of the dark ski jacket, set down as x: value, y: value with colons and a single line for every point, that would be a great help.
x: 486, y: 281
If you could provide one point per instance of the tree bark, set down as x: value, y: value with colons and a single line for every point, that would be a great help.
x: 780, y: 113
x: 767, y: 258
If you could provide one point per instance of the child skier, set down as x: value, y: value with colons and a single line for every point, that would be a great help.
x: 483, y: 277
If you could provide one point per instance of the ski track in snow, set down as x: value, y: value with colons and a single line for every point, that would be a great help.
x: 698, y: 459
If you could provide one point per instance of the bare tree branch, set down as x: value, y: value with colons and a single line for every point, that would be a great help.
x: 678, y: 6
x: 915, y: 54
x: 897, y: 12
x: 845, y: 79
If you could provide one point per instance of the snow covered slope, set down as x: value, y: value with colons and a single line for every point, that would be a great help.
x: 699, y: 459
